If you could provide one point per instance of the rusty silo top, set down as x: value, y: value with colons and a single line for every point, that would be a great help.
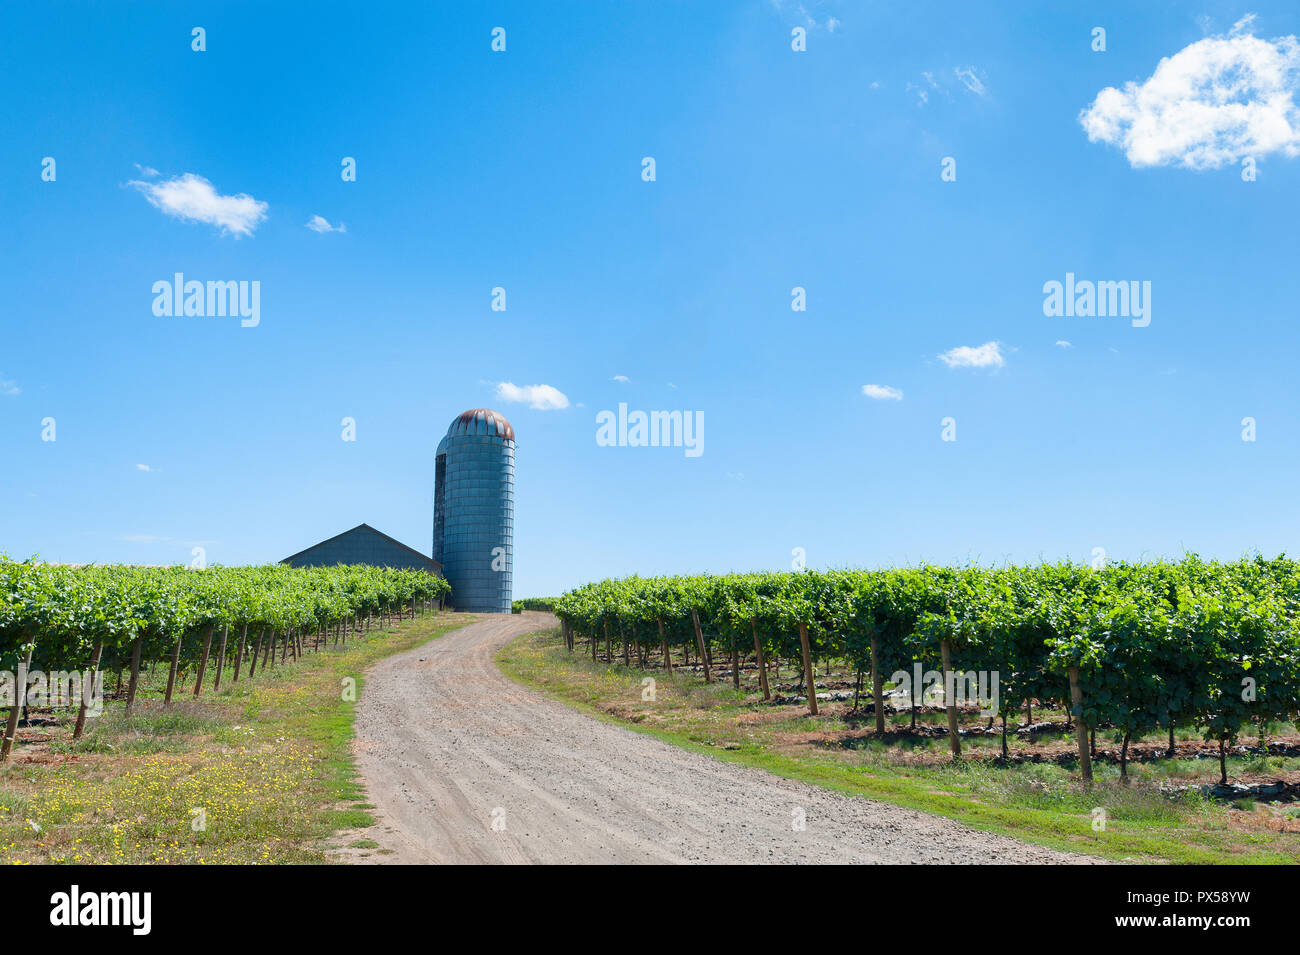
x: 481, y: 421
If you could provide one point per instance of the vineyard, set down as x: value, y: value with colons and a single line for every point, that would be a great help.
x: 219, y: 620
x: 1134, y: 648
x: 545, y: 604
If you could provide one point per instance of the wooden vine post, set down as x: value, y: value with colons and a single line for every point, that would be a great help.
x: 1080, y: 726
x: 203, y: 660
x: 257, y: 651
x: 239, y: 653
x: 809, y: 677
x: 949, y: 697
x: 94, y: 667
x: 699, y: 640
x: 135, y: 673
x: 663, y: 642
x: 11, y: 725
x: 877, y: 685
x: 221, y: 657
x: 20, y: 698
x: 171, y: 674
x: 762, y: 663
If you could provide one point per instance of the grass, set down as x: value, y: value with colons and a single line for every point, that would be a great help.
x: 1040, y: 802
x: 260, y: 772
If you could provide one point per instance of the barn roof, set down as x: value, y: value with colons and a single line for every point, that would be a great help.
x: 428, y: 563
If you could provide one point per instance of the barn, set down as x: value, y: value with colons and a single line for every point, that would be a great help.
x: 363, y: 545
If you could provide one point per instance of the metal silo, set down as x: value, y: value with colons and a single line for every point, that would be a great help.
x: 474, y: 510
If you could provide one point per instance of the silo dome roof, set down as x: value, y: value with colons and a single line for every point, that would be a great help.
x: 481, y: 421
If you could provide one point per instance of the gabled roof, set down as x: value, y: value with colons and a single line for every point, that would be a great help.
x: 352, y: 530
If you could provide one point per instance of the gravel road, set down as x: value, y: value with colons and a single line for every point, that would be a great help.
x: 451, y: 751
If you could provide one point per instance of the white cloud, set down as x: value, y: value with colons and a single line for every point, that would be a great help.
x: 988, y: 355
x: 321, y: 224
x: 971, y: 80
x: 143, y: 467
x: 882, y: 392
x: 149, y: 172
x: 969, y: 77
x: 8, y: 387
x: 192, y: 198
x: 832, y: 25
x: 1216, y: 101
x: 1062, y: 343
x: 621, y: 378
x: 539, y: 397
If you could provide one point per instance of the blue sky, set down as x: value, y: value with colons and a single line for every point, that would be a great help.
x: 775, y: 168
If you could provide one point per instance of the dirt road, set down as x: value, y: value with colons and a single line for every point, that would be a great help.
x: 448, y: 747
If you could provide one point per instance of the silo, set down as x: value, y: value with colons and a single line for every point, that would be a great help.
x: 474, y: 510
